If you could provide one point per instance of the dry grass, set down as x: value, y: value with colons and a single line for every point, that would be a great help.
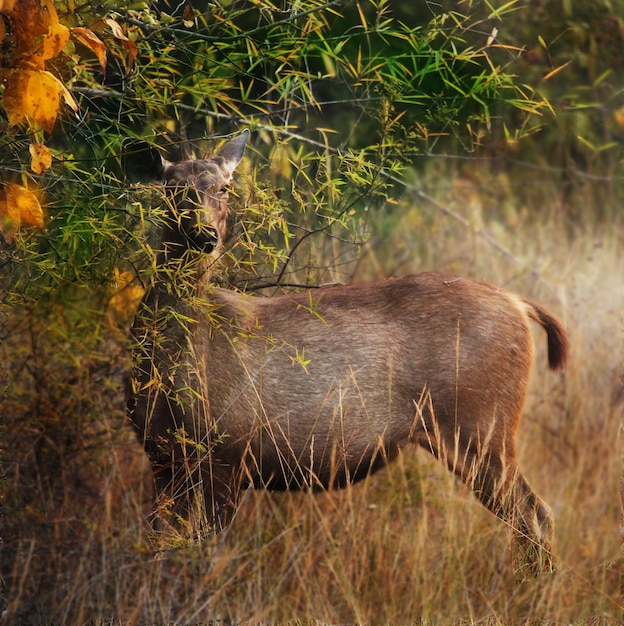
x: 409, y: 545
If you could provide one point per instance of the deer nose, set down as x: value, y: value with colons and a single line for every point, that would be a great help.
x: 201, y: 237
x: 206, y: 240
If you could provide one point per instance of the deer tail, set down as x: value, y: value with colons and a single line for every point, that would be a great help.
x: 556, y: 333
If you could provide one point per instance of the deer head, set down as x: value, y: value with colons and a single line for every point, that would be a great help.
x: 196, y: 190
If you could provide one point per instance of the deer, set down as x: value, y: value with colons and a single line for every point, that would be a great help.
x: 319, y: 388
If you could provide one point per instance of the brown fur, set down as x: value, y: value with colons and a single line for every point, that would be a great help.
x: 320, y: 388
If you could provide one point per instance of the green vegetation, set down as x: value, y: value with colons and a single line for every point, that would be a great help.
x: 387, y: 138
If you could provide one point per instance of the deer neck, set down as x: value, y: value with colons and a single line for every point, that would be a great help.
x: 181, y: 278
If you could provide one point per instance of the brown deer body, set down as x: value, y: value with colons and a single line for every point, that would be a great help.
x: 321, y: 387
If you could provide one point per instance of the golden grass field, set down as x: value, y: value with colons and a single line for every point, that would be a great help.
x: 409, y: 545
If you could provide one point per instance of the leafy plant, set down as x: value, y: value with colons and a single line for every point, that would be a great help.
x: 337, y: 100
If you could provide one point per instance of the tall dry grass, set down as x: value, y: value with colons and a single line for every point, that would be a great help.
x: 409, y: 545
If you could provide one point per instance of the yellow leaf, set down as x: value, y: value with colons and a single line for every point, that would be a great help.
x: 55, y: 40
x: 362, y: 17
x: 64, y: 92
x: 30, y: 208
x: 41, y: 158
x: 34, y: 95
x: 24, y: 95
x: 14, y: 96
x: 47, y: 6
x: 116, y: 28
x: 10, y: 219
x: 188, y: 17
x: 18, y: 206
x: 127, y: 296
x: 556, y: 70
x: 88, y: 38
x: 618, y: 116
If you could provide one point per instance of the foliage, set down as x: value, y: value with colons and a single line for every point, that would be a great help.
x: 337, y: 99
x: 584, y: 139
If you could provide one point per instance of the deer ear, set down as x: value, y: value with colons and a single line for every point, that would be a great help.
x: 142, y: 162
x: 232, y: 152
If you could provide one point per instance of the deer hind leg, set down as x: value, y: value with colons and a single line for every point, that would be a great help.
x: 487, y: 465
x: 503, y: 490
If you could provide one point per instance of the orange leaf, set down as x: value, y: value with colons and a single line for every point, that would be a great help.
x: 31, y: 22
x: 88, y: 38
x: 27, y: 17
x: 115, y: 27
x: 18, y: 206
x: 41, y: 158
x: 128, y: 44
